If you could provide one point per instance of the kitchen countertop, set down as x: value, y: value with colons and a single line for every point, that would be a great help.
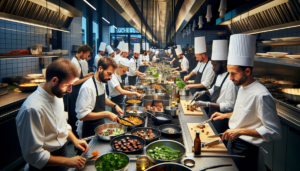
x: 12, y: 98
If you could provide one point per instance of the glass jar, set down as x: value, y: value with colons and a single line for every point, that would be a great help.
x: 142, y: 163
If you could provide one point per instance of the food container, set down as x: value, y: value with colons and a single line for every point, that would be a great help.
x: 134, y: 104
x: 36, y: 49
x: 184, y: 92
x: 169, y: 166
x: 170, y: 110
x: 102, y: 127
x: 118, y: 138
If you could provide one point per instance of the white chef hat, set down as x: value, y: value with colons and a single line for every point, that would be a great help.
x: 125, y: 47
x: 102, y: 46
x: 200, y: 45
x: 241, y: 50
x: 145, y: 46
x: 178, y: 50
x: 109, y: 49
x: 136, y: 48
x: 157, y: 52
x: 166, y: 51
x: 219, y: 50
x: 169, y: 51
x: 125, y: 62
x: 120, y: 46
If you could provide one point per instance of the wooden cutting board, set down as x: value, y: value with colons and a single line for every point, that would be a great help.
x: 204, y: 138
x: 186, y: 112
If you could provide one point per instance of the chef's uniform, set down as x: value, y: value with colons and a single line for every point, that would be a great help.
x: 183, y: 63
x: 255, y: 108
x: 110, y: 51
x: 43, y: 130
x: 85, y: 66
x: 142, y: 67
x: 91, y: 98
x: 125, y: 48
x: 115, y: 95
x: 97, y: 57
x: 133, y: 66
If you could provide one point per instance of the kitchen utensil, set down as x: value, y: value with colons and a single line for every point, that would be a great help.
x: 12, y: 80
x: 292, y: 94
x: 133, y: 104
x: 167, y: 129
x: 213, y: 143
x: 136, y: 111
x: 215, y: 166
x: 214, y: 136
x: 156, y: 132
x: 267, y: 41
x: 35, y: 75
x: 101, y: 158
x: 170, y: 110
x: 132, y: 137
x: 130, y: 127
x: 102, y: 127
x: 189, y: 162
x: 126, y: 120
x: 168, y: 166
x: 169, y: 143
x: 161, y: 118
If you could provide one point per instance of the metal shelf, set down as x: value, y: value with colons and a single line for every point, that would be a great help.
x: 281, y: 43
x: 280, y: 61
x: 32, y: 56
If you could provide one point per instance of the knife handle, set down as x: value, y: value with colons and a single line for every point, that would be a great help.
x: 215, y: 166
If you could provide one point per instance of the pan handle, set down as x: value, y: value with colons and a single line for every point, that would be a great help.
x: 215, y: 166
x: 88, y: 138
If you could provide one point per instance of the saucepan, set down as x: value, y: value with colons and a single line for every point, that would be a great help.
x: 170, y: 110
x: 99, y: 129
x: 27, y: 87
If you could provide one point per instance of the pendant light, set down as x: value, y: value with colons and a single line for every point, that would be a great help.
x: 208, y: 12
x: 200, y: 23
x: 190, y: 26
x: 194, y: 25
x: 222, y: 8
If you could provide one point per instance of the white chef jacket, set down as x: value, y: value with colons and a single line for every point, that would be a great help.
x: 208, y: 74
x: 184, y: 64
x: 255, y: 108
x: 76, y: 63
x: 85, y: 67
x: 97, y: 57
x: 42, y: 127
x: 132, y: 68
x: 113, y: 83
x: 154, y: 58
x: 147, y: 57
x: 228, y: 93
x: 171, y: 56
x: 140, y: 60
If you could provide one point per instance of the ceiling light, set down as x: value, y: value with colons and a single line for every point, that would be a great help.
x: 200, y: 22
x: 208, y: 13
x: 115, y: 27
x: 105, y: 20
x: 32, y: 24
x: 222, y: 8
x: 90, y: 4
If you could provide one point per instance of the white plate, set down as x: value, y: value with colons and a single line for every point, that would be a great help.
x: 290, y: 38
x: 277, y: 54
x: 293, y: 56
x: 276, y: 39
x: 267, y: 41
x: 263, y: 54
x: 49, y: 53
x: 35, y: 75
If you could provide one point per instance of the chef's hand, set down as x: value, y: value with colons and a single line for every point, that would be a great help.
x: 133, y: 88
x: 113, y: 117
x: 91, y: 74
x: 201, y: 104
x: 176, y: 72
x: 217, y: 116
x: 171, y: 62
x: 189, y: 86
x: 139, y: 95
x: 120, y: 111
x: 186, y: 78
x: 199, y: 93
x: 231, y: 134
x: 75, y: 162
x: 173, y: 69
x: 81, y: 145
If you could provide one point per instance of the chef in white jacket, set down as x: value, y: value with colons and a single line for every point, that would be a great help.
x: 155, y: 57
x: 110, y: 51
x: 223, y: 92
x: 183, y: 63
x: 119, y: 51
x: 254, y: 118
x: 42, y: 122
x: 99, y: 55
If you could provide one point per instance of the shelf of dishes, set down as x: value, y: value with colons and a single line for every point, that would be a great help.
x: 282, y: 40
x: 279, y: 55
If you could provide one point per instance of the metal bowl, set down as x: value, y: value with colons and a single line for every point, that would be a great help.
x: 169, y: 143
x: 141, y: 87
x: 293, y: 94
x: 101, y: 157
x: 170, y: 110
x: 147, y: 139
x: 130, y: 127
x: 160, y: 91
x: 168, y: 166
x: 184, y: 92
x: 140, y: 111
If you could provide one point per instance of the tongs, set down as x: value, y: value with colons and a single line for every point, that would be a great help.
x: 126, y: 120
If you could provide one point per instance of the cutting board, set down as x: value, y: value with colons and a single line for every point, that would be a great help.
x: 204, y: 138
x: 186, y: 112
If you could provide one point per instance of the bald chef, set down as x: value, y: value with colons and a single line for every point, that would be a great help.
x: 99, y: 55
x: 183, y: 63
x: 223, y: 92
x: 42, y: 123
x: 254, y: 118
x: 91, y: 101
x: 110, y: 51
x: 133, y: 69
x: 204, y: 70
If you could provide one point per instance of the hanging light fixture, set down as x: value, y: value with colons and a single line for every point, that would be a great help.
x: 200, y: 23
x: 193, y: 28
x: 194, y: 23
x: 222, y: 8
x: 208, y: 14
x: 190, y: 26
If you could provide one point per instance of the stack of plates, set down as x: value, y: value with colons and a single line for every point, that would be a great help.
x: 263, y: 54
x: 267, y: 41
x: 290, y: 38
x: 293, y: 56
x: 277, y: 54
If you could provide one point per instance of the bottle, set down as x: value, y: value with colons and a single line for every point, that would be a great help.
x: 197, y: 144
x: 178, y: 97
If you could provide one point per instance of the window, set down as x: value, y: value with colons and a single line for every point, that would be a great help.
x: 84, y: 28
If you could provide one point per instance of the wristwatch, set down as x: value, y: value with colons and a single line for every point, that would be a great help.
x: 115, y: 105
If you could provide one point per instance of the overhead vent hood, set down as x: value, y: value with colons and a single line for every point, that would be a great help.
x: 270, y: 16
x: 53, y: 14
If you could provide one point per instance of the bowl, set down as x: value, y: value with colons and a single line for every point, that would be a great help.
x: 169, y: 143
x: 170, y: 110
x: 130, y: 127
x: 140, y: 111
x: 56, y: 51
x: 293, y: 56
x: 277, y: 54
x: 64, y: 52
x: 99, y: 159
x: 168, y: 166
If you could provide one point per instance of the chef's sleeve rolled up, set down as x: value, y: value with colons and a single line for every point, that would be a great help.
x: 84, y: 104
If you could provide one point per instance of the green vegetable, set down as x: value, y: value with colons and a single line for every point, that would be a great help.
x: 12, y: 86
x: 164, y: 153
x: 149, y: 81
x: 151, y: 69
x: 111, y: 162
x: 155, y: 75
x: 178, y: 79
x: 180, y: 84
x: 166, y: 73
x: 169, y: 89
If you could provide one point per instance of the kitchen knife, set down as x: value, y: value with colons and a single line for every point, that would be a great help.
x: 215, y: 136
x: 204, y: 122
x: 213, y: 143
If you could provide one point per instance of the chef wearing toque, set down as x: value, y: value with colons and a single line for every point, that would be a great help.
x: 99, y: 55
x: 183, y: 63
x: 110, y: 51
x: 155, y: 57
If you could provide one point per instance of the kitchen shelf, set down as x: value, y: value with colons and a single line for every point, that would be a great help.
x: 32, y: 56
x: 281, y: 61
x: 281, y: 43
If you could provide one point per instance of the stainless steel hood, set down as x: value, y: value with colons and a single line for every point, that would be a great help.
x: 53, y: 13
x: 273, y: 15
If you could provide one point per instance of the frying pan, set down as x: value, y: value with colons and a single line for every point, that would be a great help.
x: 132, y: 137
x: 134, y: 104
x: 102, y: 127
x: 156, y: 132
x: 165, y: 128
x: 136, y: 111
x: 161, y: 118
x: 26, y: 88
x: 130, y: 127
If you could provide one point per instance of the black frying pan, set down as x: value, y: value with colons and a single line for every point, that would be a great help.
x: 130, y: 127
x: 147, y: 139
x: 131, y: 137
x: 161, y: 118
x: 134, y: 104
x: 164, y: 129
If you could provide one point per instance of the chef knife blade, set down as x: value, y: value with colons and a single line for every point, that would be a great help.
x: 215, y: 136
x: 213, y: 143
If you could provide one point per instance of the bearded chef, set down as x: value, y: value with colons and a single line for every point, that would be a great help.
x: 183, y: 63
x: 254, y: 118
x: 223, y: 92
x: 110, y: 51
x: 91, y: 101
x: 99, y: 55
x: 155, y: 57
x: 116, y: 85
x: 133, y: 69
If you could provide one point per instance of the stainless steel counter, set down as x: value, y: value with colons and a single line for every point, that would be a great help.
x: 201, y: 162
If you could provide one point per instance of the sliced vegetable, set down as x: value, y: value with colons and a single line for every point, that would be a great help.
x: 164, y: 153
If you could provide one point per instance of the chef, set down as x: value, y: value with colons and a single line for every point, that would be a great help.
x: 184, y: 63
x: 82, y: 53
x: 124, y: 54
x: 204, y: 70
x: 223, y: 92
x: 119, y: 49
x: 172, y: 60
x: 133, y: 69
x: 254, y: 118
x: 142, y: 61
x: 116, y: 85
x: 91, y: 101
x: 110, y: 51
x: 155, y: 57
x: 147, y: 56
x: 99, y: 55
x: 85, y: 65
x: 42, y: 122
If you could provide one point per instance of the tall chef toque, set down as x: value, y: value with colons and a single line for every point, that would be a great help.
x: 125, y: 47
x: 137, y: 48
x: 219, y: 50
x: 200, y: 45
x: 120, y: 46
x: 109, y: 49
x: 241, y: 50
x: 178, y: 50
x: 102, y: 46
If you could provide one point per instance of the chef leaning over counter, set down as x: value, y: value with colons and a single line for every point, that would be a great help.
x: 119, y: 50
x: 254, y: 118
x: 183, y: 63
x: 110, y: 51
x: 155, y: 57
x: 91, y: 101
x: 99, y: 55
x: 42, y: 123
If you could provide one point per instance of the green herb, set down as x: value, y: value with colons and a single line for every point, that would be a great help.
x: 155, y: 75
x: 169, y: 89
x: 166, y: 73
x: 178, y: 79
x: 164, y: 153
x: 12, y: 86
x: 180, y: 84
x: 149, y: 81
x: 111, y: 162
x: 151, y: 69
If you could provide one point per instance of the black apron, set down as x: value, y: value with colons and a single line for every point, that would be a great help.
x: 118, y: 99
x: 143, y: 68
x: 250, y: 151
x: 182, y: 74
x: 59, y: 152
x: 220, y: 125
x: 72, y: 103
x: 88, y: 127
x: 132, y: 79
x: 198, y: 81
